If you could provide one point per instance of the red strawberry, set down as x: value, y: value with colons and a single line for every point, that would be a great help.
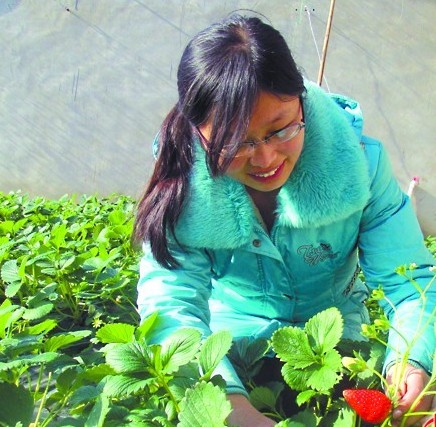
x: 372, y: 406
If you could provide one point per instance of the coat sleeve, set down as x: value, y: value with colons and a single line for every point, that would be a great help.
x: 181, y: 297
x: 390, y: 237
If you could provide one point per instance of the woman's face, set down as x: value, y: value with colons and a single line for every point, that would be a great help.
x: 267, y: 166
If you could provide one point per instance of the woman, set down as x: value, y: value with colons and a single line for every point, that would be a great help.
x: 264, y: 198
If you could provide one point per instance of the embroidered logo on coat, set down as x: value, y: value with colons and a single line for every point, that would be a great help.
x: 350, y: 285
x: 313, y: 256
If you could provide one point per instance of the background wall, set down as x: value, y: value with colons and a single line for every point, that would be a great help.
x: 84, y: 84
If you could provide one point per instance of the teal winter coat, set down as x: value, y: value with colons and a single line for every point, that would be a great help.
x: 340, y: 209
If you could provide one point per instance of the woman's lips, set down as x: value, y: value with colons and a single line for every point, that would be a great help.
x: 269, y: 175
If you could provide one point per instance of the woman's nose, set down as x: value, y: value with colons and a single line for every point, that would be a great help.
x: 263, y: 155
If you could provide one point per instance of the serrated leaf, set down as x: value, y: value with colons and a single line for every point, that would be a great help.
x: 98, y: 413
x: 204, y: 405
x: 326, y: 329
x: 296, y: 379
x: 123, y: 385
x: 65, y: 380
x: 246, y: 355
x: 171, y: 410
x: 125, y: 358
x: 116, y: 333
x: 12, y: 289
x: 345, y: 417
x: 29, y: 360
x: 212, y: 351
x: 117, y: 217
x: 263, y: 398
x: 56, y: 342
x: 84, y: 394
x: 94, y: 263
x: 146, y: 326
x: 305, y: 396
x: 323, y: 379
x: 9, y: 272
x: 292, y: 345
x: 21, y: 344
x: 333, y: 360
x: 38, y: 312
x: 305, y: 418
x: 42, y: 328
x: 96, y: 373
x: 179, y: 349
x: 66, y: 261
x: 291, y: 423
x: 252, y: 350
x: 179, y: 385
x: 6, y: 227
x: 17, y: 405
x: 7, y: 311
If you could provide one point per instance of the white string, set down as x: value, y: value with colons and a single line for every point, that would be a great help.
x: 316, y: 45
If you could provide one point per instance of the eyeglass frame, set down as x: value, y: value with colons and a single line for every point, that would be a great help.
x: 253, y: 144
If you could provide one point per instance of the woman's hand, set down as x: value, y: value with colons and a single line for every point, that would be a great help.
x: 244, y: 414
x: 409, y: 386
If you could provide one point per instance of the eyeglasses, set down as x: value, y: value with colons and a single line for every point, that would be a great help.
x: 247, y: 148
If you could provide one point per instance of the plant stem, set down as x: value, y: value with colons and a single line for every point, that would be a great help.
x: 43, y: 399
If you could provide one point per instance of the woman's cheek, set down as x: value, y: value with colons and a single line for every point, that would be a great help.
x: 236, y: 165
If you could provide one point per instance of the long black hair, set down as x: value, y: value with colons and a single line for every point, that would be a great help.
x: 222, y: 71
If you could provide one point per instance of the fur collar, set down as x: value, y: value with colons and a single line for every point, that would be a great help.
x: 329, y: 182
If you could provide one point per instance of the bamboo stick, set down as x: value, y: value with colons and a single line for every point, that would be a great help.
x: 326, y: 42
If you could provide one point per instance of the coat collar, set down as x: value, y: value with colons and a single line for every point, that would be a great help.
x: 329, y: 182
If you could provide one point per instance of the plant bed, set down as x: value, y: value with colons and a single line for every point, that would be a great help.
x: 72, y: 351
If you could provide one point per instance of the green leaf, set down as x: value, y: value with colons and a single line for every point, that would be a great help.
x: 305, y: 396
x: 29, y: 360
x: 305, y: 418
x: 323, y: 378
x: 249, y: 351
x: 6, y: 227
x: 12, y: 289
x: 204, y: 405
x: 38, y: 312
x: 66, y: 261
x: 123, y: 385
x: 99, y: 411
x: 212, y: 351
x: 84, y: 394
x: 9, y: 272
x: 179, y: 349
x: 291, y: 423
x: 7, y: 311
x: 326, y: 329
x: 292, y: 345
x: 296, y: 379
x: 94, y: 264
x: 42, y: 328
x: 16, y: 406
x: 116, y: 333
x: 345, y: 417
x: 117, y: 217
x: 21, y: 344
x: 246, y: 356
x: 146, y: 326
x: 178, y: 385
x: 333, y: 360
x: 96, y: 373
x: 264, y: 398
x: 131, y: 357
x: 56, y: 342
